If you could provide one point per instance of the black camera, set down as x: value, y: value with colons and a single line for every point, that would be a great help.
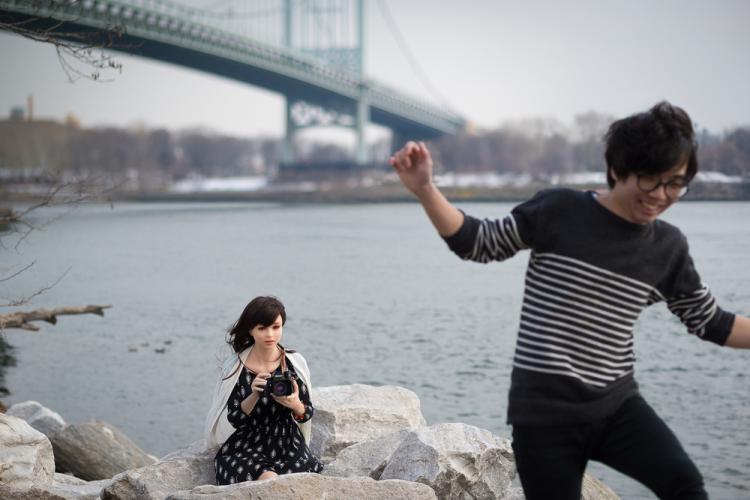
x: 281, y: 384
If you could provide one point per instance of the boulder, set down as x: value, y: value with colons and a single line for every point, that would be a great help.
x: 39, y: 417
x: 72, y: 488
x: 457, y: 461
x: 96, y: 450
x: 349, y: 414
x: 193, y: 450
x: 67, y: 479
x: 309, y: 486
x: 26, y: 459
x: 33, y: 493
x: 182, y: 470
x: 593, y: 489
x: 514, y: 493
x: 367, y: 459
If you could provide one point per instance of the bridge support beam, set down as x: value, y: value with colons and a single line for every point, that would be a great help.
x: 288, y: 155
x: 363, y: 118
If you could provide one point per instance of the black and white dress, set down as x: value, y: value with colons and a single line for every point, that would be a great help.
x: 268, y: 439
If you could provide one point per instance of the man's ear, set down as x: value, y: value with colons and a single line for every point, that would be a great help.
x: 612, y: 174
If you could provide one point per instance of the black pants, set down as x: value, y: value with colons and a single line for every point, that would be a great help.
x: 635, y: 441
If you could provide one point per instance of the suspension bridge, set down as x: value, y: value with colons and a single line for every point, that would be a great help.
x: 312, y: 52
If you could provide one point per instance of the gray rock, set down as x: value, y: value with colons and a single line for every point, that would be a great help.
x: 65, y: 479
x: 96, y: 450
x: 181, y: 470
x: 63, y: 487
x: 39, y: 417
x: 458, y: 461
x: 349, y: 414
x: 26, y: 459
x: 193, y: 450
x: 514, y: 493
x: 10, y: 493
x: 311, y: 487
x: 593, y: 489
x: 83, y: 490
x: 367, y: 459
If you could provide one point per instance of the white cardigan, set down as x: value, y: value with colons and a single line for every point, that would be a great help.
x: 217, y: 428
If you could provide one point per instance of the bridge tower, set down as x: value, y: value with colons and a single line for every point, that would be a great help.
x: 332, y: 31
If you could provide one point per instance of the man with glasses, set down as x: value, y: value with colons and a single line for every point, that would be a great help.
x: 597, y: 261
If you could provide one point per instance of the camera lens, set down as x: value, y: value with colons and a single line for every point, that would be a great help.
x: 279, y: 388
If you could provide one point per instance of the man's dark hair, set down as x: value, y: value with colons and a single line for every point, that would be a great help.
x: 651, y: 143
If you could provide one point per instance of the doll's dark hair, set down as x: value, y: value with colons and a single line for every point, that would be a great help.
x: 651, y: 143
x: 260, y: 311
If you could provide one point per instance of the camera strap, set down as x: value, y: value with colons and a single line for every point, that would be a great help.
x: 283, y: 359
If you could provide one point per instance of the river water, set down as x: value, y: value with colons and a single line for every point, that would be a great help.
x: 373, y: 296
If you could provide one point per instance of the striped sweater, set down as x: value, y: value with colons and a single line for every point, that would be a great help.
x: 590, y: 275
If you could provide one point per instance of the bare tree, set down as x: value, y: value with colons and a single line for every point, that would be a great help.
x: 15, y: 227
x: 82, y: 53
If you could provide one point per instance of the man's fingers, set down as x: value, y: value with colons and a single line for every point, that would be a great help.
x: 409, y: 155
x: 400, y: 161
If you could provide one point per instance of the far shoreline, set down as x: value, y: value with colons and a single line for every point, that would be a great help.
x: 329, y: 193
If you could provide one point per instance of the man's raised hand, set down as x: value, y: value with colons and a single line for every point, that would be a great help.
x: 413, y: 164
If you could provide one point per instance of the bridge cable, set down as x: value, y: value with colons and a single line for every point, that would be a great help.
x: 416, y: 67
x: 230, y: 13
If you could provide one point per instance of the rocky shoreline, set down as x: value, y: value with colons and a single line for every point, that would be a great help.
x: 374, y: 442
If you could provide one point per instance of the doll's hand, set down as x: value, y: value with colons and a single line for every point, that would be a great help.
x: 259, y: 383
x: 291, y: 401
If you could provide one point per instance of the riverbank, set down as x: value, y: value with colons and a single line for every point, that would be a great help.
x: 343, y: 192
x: 374, y: 441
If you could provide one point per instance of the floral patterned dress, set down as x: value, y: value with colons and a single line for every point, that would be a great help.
x: 268, y: 439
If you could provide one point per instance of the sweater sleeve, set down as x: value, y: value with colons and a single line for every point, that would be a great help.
x: 694, y: 304
x: 499, y: 239
x: 304, y: 396
x: 235, y: 415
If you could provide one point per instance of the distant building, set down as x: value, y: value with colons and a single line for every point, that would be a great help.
x: 17, y: 113
x: 72, y: 121
x: 30, y: 108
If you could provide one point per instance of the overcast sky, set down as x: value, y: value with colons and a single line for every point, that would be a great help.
x: 493, y: 61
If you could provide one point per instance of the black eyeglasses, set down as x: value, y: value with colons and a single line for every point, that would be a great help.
x: 675, y: 188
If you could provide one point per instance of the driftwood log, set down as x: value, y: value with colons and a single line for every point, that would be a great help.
x: 23, y: 320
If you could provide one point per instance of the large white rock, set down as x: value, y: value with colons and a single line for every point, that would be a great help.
x: 349, y: 414
x: 67, y: 479
x: 39, y: 417
x: 26, y: 459
x: 9, y: 493
x: 458, y: 461
x: 194, y: 449
x: 593, y: 489
x: 72, y: 488
x: 311, y: 487
x: 366, y: 459
x: 96, y: 450
x: 181, y: 470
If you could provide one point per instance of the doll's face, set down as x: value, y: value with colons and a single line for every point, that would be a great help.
x: 268, y: 336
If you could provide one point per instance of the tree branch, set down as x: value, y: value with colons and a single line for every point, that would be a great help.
x: 22, y: 320
x: 24, y: 300
x: 7, y: 278
x: 85, y: 47
x: 70, y: 194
